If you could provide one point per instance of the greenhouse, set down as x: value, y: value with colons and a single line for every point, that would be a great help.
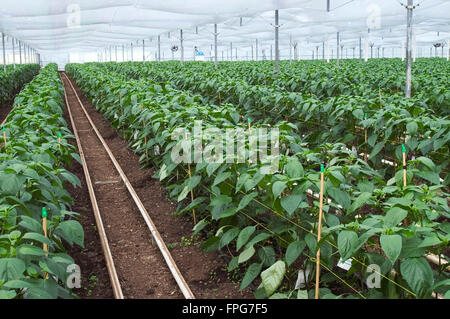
x: 242, y: 150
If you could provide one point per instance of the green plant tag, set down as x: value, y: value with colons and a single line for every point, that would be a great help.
x: 3, y: 128
x: 322, y: 169
x: 249, y: 120
x: 59, y: 134
x: 403, y: 148
x: 365, y: 116
x: 44, y: 212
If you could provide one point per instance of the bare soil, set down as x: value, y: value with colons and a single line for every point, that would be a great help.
x: 4, y: 110
x: 141, y: 268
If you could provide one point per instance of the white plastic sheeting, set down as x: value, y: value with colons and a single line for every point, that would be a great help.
x: 95, y: 29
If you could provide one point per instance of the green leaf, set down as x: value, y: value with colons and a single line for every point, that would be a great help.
x: 7, y: 294
x: 392, y: 246
x: 250, y: 275
x: 376, y: 149
x: 246, y: 200
x: 347, y: 242
x: 244, y: 236
x: 294, y: 250
x: 38, y: 237
x: 360, y: 201
x: 221, y: 177
x: 418, y: 274
x: 394, y: 216
x: 273, y: 276
x: 277, y: 188
x: 341, y: 197
x: 246, y: 254
x: 28, y: 250
x: 411, y: 127
x: 302, y: 294
x: 220, y: 200
x: 183, y: 194
x: 199, y: 226
x: 427, y: 162
x: 228, y: 237
x: 71, y: 231
x: 294, y: 168
x: 11, y: 269
x: 9, y: 183
x: 291, y: 203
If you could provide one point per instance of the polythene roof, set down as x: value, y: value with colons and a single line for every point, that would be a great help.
x: 70, y: 26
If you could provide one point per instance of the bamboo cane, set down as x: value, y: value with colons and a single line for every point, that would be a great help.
x: 44, y: 226
x: 192, y: 191
x: 319, y: 231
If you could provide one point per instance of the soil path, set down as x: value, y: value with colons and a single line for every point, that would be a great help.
x: 141, y: 268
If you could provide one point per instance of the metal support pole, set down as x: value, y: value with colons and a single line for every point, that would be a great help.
x: 323, y: 50
x: 231, y: 51
x: 14, y: 52
x: 115, y: 50
x: 256, y: 50
x: 271, y: 49
x: 20, y: 52
x: 360, y: 48
x: 143, y: 50
x: 448, y: 49
x: 216, y: 65
x: 159, y: 48
x: 337, y: 49
x: 252, y: 53
x: 277, y: 51
x: 123, y: 53
x: 290, y: 49
x: 131, y: 52
x: 181, y: 47
x: 4, y: 52
x: 409, y: 16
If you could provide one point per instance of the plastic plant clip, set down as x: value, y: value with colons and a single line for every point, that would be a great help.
x: 59, y: 139
x: 319, y: 231
x: 249, y: 120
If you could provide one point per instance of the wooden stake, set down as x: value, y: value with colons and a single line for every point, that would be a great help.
x: 319, y: 231
x: 44, y: 226
x: 192, y: 191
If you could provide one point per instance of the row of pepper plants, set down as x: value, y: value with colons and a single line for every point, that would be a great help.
x: 268, y: 222
x: 14, y: 79
x: 33, y: 177
x: 344, y: 118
